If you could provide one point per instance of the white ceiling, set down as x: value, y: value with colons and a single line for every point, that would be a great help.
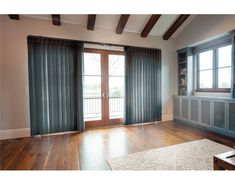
x: 135, y: 23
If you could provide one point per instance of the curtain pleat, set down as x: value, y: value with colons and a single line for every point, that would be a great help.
x: 55, y: 85
x: 143, y: 85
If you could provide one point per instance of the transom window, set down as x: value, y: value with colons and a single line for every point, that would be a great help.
x: 214, y: 69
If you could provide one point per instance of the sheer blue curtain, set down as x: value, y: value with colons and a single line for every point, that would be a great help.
x: 55, y: 85
x: 143, y: 85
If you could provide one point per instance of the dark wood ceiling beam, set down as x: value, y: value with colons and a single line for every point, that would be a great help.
x: 150, y: 24
x: 179, y: 21
x: 56, y: 19
x: 14, y: 16
x: 91, y: 21
x: 122, y: 23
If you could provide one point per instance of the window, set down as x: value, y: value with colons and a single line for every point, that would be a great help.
x: 214, y: 69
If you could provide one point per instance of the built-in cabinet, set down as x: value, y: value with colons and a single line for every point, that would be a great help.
x: 215, y: 114
x: 231, y: 116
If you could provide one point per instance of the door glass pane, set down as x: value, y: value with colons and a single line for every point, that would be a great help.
x: 206, y: 60
x: 205, y: 79
x: 92, y: 64
x: 225, y: 56
x: 116, y: 65
x: 224, y: 78
x: 92, y: 87
x: 116, y: 86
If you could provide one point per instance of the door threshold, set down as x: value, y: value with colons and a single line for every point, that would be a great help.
x: 104, y: 127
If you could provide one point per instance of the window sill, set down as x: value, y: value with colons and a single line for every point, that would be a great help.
x: 212, y: 94
x: 213, y: 91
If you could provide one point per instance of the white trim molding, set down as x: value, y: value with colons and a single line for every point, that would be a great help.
x: 14, y: 133
x: 168, y: 117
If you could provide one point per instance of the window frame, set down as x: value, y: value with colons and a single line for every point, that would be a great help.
x: 215, y: 70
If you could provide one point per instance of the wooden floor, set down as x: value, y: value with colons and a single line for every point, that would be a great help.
x: 90, y: 149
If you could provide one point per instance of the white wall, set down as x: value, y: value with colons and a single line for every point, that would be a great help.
x: 15, y: 98
x: 205, y: 27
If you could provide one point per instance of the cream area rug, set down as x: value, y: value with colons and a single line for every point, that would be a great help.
x: 194, y: 155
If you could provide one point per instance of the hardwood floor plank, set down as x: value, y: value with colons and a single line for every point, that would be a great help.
x: 63, y: 153
x: 10, y: 150
x: 89, y: 150
x: 32, y: 155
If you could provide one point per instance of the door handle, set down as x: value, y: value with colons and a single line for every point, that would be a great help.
x: 103, y: 94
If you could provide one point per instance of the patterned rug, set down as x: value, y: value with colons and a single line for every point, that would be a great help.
x: 194, y: 155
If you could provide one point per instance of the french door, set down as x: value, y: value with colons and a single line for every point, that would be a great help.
x: 103, y: 87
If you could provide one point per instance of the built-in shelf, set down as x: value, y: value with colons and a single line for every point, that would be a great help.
x: 184, y: 83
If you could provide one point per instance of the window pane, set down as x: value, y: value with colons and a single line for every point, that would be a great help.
x: 92, y: 86
x: 116, y: 86
x: 116, y: 65
x: 92, y: 64
x: 205, y: 79
x: 116, y: 97
x: 92, y: 97
x: 116, y: 107
x: 92, y: 109
x: 224, y: 78
x: 225, y: 56
x: 206, y: 60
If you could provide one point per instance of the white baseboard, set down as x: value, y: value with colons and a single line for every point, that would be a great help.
x: 14, y: 133
x: 168, y: 117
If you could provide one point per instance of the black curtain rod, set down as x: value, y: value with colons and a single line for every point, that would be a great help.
x: 88, y: 42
